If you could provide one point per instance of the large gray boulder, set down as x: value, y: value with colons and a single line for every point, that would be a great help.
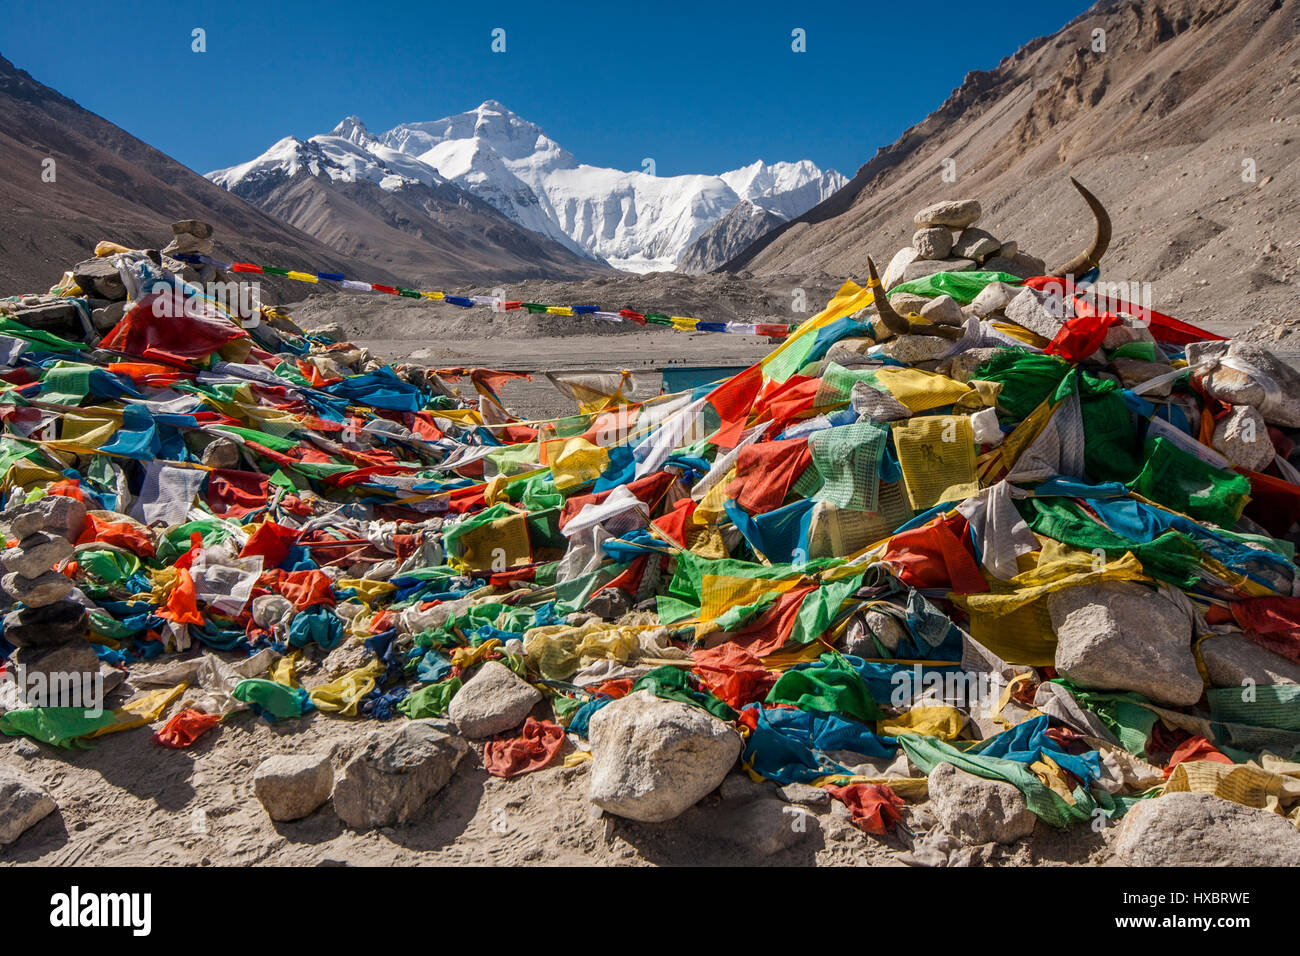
x: 24, y: 802
x: 292, y: 786
x: 653, y: 758
x: 1124, y: 636
x: 1200, y: 829
x: 399, y: 768
x: 1231, y: 660
x: 976, y: 810
x: 491, y: 701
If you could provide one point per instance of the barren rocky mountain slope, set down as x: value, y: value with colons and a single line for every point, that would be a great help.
x: 108, y: 185
x: 1166, y: 126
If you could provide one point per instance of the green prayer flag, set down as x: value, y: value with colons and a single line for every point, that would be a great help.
x: 431, y: 700
x: 830, y: 686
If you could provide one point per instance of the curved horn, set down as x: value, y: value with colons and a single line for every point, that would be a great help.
x: 893, y: 321
x: 1091, y: 257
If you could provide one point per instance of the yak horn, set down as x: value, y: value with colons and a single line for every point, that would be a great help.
x: 1091, y: 257
x: 893, y: 321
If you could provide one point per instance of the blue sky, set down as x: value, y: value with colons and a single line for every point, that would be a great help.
x: 700, y: 87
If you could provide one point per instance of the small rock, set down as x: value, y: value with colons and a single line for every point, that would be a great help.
x: 1126, y: 331
x: 112, y: 677
x: 913, y: 349
x: 932, y: 243
x: 1042, y: 313
x: 994, y: 297
x: 805, y: 795
x: 491, y: 701
x: 49, y: 626
x: 943, y: 310
x: 767, y: 826
x: 192, y: 227
x: 1200, y: 829
x: 335, y: 333
x: 1124, y: 636
x: 905, y: 303
x: 953, y: 213
x: 105, y: 318
x: 24, y: 802
x: 398, y: 769
x: 1231, y: 660
x: 976, y: 244
x: 963, y: 364
x: 1021, y: 265
x: 1234, y: 387
x: 1280, y: 404
x: 653, y: 758
x: 99, y: 278
x: 38, y: 591
x: 1242, y: 437
x: 221, y: 453
x: 609, y: 605
x: 66, y: 676
x: 36, y: 554
x: 850, y: 352
x: 860, y: 641
x: 59, y: 316
x: 292, y: 786
x: 924, y: 267
x: 976, y: 810
x: 25, y: 748
x: 1133, y: 372
x: 897, y: 266
x: 54, y: 514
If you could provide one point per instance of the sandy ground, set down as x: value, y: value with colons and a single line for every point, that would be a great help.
x: 128, y: 800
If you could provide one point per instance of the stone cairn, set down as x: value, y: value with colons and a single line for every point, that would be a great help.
x: 48, y: 628
x: 103, y: 298
x: 948, y: 240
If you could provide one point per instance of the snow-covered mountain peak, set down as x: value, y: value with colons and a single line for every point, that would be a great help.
x: 354, y: 131
x: 632, y: 220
